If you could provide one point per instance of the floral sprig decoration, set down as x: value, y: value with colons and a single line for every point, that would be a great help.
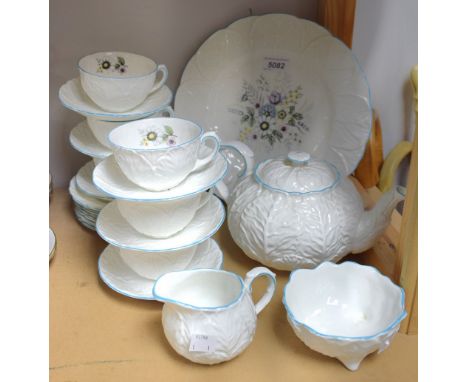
x: 155, y: 137
x: 106, y: 65
x: 271, y: 115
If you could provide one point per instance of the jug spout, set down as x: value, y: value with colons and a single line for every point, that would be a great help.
x: 374, y: 222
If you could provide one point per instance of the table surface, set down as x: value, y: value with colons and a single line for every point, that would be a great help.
x: 97, y: 334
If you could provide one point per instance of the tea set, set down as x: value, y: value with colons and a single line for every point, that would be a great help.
x: 275, y: 150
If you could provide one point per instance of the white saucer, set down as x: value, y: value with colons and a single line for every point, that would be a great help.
x: 118, y: 276
x: 52, y: 244
x: 84, y: 200
x: 114, y: 229
x: 73, y: 97
x: 83, y: 140
x: 84, y: 182
x: 109, y: 178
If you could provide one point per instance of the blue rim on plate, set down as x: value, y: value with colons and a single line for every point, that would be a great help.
x: 120, y: 116
x: 198, y: 241
x: 138, y: 297
x: 158, y: 198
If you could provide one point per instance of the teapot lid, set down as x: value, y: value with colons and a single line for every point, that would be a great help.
x: 297, y: 174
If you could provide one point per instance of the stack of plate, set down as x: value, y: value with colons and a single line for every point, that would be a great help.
x: 90, y: 136
x: 87, y: 207
x: 154, y: 232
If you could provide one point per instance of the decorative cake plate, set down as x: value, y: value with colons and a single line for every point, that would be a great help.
x: 279, y: 84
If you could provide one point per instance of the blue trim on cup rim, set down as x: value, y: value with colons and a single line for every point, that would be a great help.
x: 116, y: 53
x: 165, y: 148
x: 138, y: 297
x: 298, y: 193
x: 345, y: 338
x: 120, y: 117
x: 204, y: 188
x: 200, y: 308
x: 210, y: 234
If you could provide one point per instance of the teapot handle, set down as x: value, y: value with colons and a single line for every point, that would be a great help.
x: 231, y: 150
x: 266, y: 298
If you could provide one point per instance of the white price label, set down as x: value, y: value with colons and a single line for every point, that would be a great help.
x: 202, y: 343
x: 272, y: 63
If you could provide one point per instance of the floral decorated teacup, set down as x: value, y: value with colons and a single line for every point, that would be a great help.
x: 119, y: 81
x: 163, y: 219
x: 159, y: 153
x: 102, y: 129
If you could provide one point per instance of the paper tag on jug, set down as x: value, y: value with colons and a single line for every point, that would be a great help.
x: 202, y: 343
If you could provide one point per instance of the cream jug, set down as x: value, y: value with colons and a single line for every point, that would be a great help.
x: 209, y: 316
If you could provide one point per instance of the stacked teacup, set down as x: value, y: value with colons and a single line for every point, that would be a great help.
x: 163, y: 215
x: 113, y: 88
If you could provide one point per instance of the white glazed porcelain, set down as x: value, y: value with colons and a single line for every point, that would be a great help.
x: 279, y: 83
x: 298, y: 212
x: 84, y: 182
x: 52, y: 244
x: 132, y: 273
x: 159, y: 153
x: 87, y: 207
x: 102, y: 128
x: 209, y: 316
x: 346, y: 311
x: 85, y: 200
x: 119, y: 81
x: 109, y: 178
x: 73, y: 97
x: 115, y: 229
x: 163, y: 219
x: 83, y: 140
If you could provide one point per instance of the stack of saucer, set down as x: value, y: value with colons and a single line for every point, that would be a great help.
x: 88, y: 200
x: 113, y: 88
x: 162, y: 218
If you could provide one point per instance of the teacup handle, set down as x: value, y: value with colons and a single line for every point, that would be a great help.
x: 157, y: 85
x: 169, y: 110
x: 266, y: 298
x: 211, y: 135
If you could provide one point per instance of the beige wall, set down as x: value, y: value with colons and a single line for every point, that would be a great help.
x: 169, y: 31
x: 386, y: 43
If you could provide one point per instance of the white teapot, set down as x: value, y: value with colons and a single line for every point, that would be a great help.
x: 209, y: 316
x: 297, y: 212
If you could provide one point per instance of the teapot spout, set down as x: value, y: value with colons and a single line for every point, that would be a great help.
x: 374, y: 222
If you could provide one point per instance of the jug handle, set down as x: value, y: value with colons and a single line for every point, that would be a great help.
x: 266, y: 298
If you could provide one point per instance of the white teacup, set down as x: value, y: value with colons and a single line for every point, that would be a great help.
x: 119, y: 81
x: 102, y: 129
x: 158, y: 153
x: 153, y: 264
x: 163, y: 219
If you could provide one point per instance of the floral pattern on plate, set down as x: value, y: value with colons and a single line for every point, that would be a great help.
x: 268, y: 112
x: 156, y: 137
